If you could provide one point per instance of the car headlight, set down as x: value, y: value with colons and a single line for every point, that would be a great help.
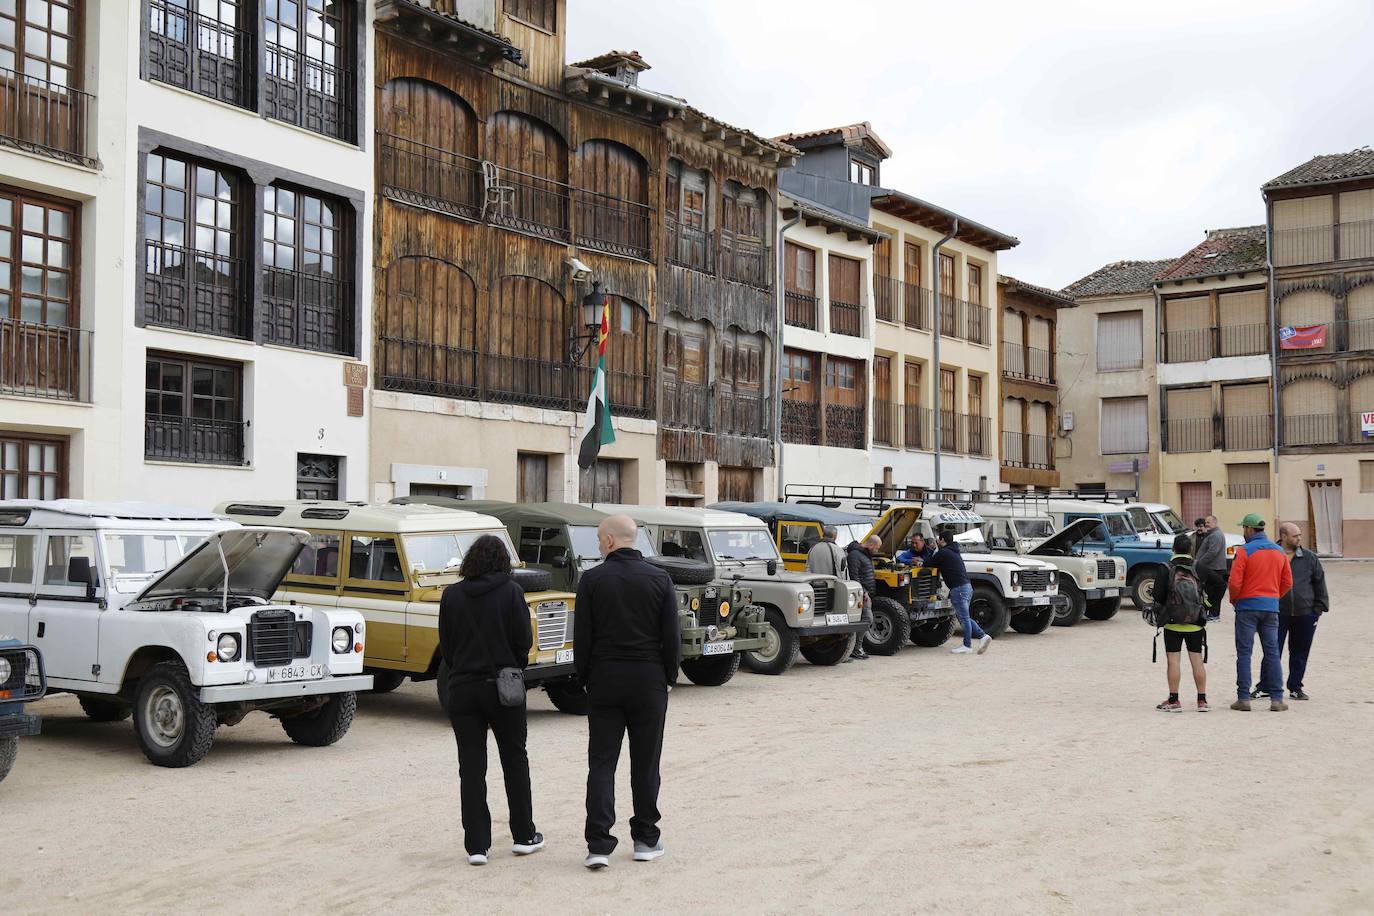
x: 696, y: 604
x: 342, y: 640
x: 1015, y: 579
x: 5, y: 670
x: 1054, y: 576
x: 853, y: 600
x: 227, y: 648
x: 803, y: 603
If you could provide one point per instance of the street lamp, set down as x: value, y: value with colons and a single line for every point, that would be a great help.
x: 591, y: 309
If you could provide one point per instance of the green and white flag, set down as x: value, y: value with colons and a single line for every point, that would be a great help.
x: 596, y: 423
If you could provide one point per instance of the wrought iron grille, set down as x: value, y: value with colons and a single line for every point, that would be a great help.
x: 193, y: 439
x: 194, y: 290
x: 45, y: 117
x: 199, y: 53
x: 44, y: 361
x: 306, y: 310
x: 430, y: 176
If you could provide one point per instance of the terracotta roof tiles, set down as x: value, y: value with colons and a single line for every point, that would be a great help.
x: 1119, y: 278
x: 1358, y: 163
x: 1224, y: 251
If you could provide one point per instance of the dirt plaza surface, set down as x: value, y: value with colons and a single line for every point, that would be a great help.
x: 1037, y: 778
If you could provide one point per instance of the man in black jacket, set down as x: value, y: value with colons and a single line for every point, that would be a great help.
x: 1300, y: 609
x: 626, y: 646
x: 859, y: 558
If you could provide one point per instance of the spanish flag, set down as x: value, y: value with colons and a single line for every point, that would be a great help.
x: 596, y: 423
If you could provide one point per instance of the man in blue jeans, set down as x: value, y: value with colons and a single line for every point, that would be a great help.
x: 948, y: 560
x: 1260, y: 575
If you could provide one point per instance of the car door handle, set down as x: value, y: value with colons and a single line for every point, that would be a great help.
x: 41, y: 625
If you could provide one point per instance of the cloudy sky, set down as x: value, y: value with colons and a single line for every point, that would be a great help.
x: 1092, y: 131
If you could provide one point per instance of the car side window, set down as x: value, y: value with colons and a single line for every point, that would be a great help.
x: 319, y: 558
x: 798, y: 537
x: 999, y: 535
x: 683, y: 542
x: 374, y: 558
x: 17, y: 555
x: 536, y: 544
x: 61, y: 549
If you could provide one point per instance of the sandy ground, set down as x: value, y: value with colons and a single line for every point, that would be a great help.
x: 1037, y: 778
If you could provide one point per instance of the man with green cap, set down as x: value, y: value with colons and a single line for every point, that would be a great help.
x: 1260, y: 576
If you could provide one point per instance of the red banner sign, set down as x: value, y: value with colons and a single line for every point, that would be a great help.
x: 1311, y: 337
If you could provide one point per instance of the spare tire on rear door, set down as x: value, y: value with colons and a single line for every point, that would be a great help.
x: 533, y: 580
x: 683, y: 571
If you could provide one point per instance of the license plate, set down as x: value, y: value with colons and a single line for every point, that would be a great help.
x: 1040, y: 599
x: 562, y: 656
x: 718, y: 648
x: 295, y: 673
x: 1111, y: 592
x: 836, y: 619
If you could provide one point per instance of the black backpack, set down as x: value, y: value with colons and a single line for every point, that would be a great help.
x: 1183, y: 606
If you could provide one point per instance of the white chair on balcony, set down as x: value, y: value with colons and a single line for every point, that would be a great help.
x: 496, y: 195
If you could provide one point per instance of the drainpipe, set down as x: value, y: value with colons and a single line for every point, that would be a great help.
x: 1273, y: 345
x: 777, y: 343
x: 935, y: 307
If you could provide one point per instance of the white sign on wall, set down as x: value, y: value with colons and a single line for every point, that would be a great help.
x: 1367, y: 423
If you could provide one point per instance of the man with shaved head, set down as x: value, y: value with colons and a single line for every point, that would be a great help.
x: 626, y: 646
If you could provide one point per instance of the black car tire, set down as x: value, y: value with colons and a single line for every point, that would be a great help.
x: 99, y: 709
x: 165, y: 693
x: 711, y: 670
x: 891, y: 627
x: 786, y: 648
x: 324, y: 725
x: 532, y: 580
x: 989, y: 610
x: 9, y: 749
x: 568, y: 698
x: 1104, y: 608
x: 684, y: 571
x: 1073, y: 613
x: 385, y: 680
x: 932, y: 633
x: 827, y: 651
x: 1033, y: 620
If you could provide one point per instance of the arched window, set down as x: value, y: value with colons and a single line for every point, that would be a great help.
x: 685, y: 361
x: 530, y: 189
x: 427, y: 330
x: 1359, y: 309
x: 688, y: 211
x: 428, y: 145
x: 1309, y: 412
x: 628, y: 358
x: 1310, y: 307
x: 744, y: 234
x: 613, y: 199
x: 527, y: 347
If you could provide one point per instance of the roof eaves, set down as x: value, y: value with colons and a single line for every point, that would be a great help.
x: 1001, y: 241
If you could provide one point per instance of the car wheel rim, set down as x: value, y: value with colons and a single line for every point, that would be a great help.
x: 980, y: 613
x: 1146, y: 591
x: 165, y: 716
x: 771, y: 647
x: 880, y: 631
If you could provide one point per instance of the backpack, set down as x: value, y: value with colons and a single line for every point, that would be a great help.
x: 1184, y: 604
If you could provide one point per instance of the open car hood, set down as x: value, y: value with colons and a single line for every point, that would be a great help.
x: 1064, y: 540
x: 257, y: 558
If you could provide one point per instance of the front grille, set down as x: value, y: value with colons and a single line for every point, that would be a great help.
x: 1035, y: 580
x: 923, y: 588
x: 708, y: 612
x: 552, y: 617
x: 26, y: 681
x: 273, y: 638
x: 821, y: 589
x: 1106, y: 569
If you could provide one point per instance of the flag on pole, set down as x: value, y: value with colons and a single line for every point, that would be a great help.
x: 1310, y: 337
x: 596, y: 423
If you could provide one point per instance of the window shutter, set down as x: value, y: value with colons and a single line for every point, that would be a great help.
x: 1187, y: 314
x: 1119, y: 341
x: 1190, y: 403
x: 1040, y: 334
x: 1240, y: 309
x: 1125, y: 428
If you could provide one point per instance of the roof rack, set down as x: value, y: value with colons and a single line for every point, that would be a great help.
x: 876, y: 499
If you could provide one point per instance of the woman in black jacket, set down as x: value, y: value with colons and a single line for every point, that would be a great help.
x: 484, y: 625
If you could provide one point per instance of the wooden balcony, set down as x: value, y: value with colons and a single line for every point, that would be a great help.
x: 47, y: 118
x: 195, y: 291
x: 429, y: 176
x: 199, y: 53
x: 305, y: 91
x: 801, y: 310
x: 44, y: 361
x: 612, y: 224
x: 307, y: 311
x: 687, y: 406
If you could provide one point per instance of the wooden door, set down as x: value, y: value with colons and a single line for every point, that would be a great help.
x: 533, y: 484
x: 534, y: 161
x: 429, y: 143
x: 948, y: 409
x: 736, y: 484
x: 948, y: 311
x: 844, y: 296
x: 428, y: 340
x: 914, y: 412
x: 884, y: 411
x: 1195, y: 499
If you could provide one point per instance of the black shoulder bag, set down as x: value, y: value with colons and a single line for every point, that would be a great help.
x: 510, y: 682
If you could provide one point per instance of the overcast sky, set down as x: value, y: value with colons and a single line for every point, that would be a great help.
x: 1092, y: 131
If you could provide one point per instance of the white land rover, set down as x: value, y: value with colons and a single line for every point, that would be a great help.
x: 165, y: 614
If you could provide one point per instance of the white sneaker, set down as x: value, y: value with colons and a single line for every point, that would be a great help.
x: 960, y: 650
x: 984, y: 643
x: 596, y: 862
x: 646, y: 853
x: 477, y: 858
x: 533, y: 846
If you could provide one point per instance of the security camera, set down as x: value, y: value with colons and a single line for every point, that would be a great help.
x: 581, y: 273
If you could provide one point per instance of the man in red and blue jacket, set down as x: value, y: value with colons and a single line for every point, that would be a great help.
x: 1260, y: 576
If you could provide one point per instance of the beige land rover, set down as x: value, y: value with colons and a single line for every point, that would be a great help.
x: 391, y: 563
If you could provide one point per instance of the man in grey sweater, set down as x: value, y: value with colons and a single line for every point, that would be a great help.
x: 1210, y: 563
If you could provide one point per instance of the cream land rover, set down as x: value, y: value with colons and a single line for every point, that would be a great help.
x: 391, y: 563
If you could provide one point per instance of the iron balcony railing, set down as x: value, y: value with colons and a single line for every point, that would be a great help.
x: 1244, y: 340
x: 887, y: 298
x: 426, y: 368
x: 744, y: 415
x: 976, y: 435
x: 628, y: 394
x: 917, y: 428
x: 916, y: 307
x: 1310, y: 245
x: 48, y: 118
x: 887, y: 423
x: 307, y: 92
x: 949, y: 315
x: 612, y: 224
x: 1024, y: 362
x: 687, y: 406
x: 1188, y: 346
x: 1200, y: 344
x: 536, y: 205
x: 976, y: 322
x: 746, y: 260
x: 1247, y: 433
x: 691, y: 247
x: 430, y: 176
x: 44, y: 361
x: 306, y: 310
x: 846, y: 318
x: 1311, y: 429
x: 801, y: 422
x: 194, y: 291
x: 1356, y: 239
x: 193, y: 439
x: 800, y: 309
x: 1189, y: 434
x: 1024, y: 450
x: 527, y: 381
x: 1247, y: 490
x: 845, y: 426
x: 200, y: 53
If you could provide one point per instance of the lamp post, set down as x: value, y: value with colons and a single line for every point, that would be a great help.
x: 590, y: 312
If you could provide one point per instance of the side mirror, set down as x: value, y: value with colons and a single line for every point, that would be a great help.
x: 772, y: 567
x: 79, y: 571
x: 561, y: 561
